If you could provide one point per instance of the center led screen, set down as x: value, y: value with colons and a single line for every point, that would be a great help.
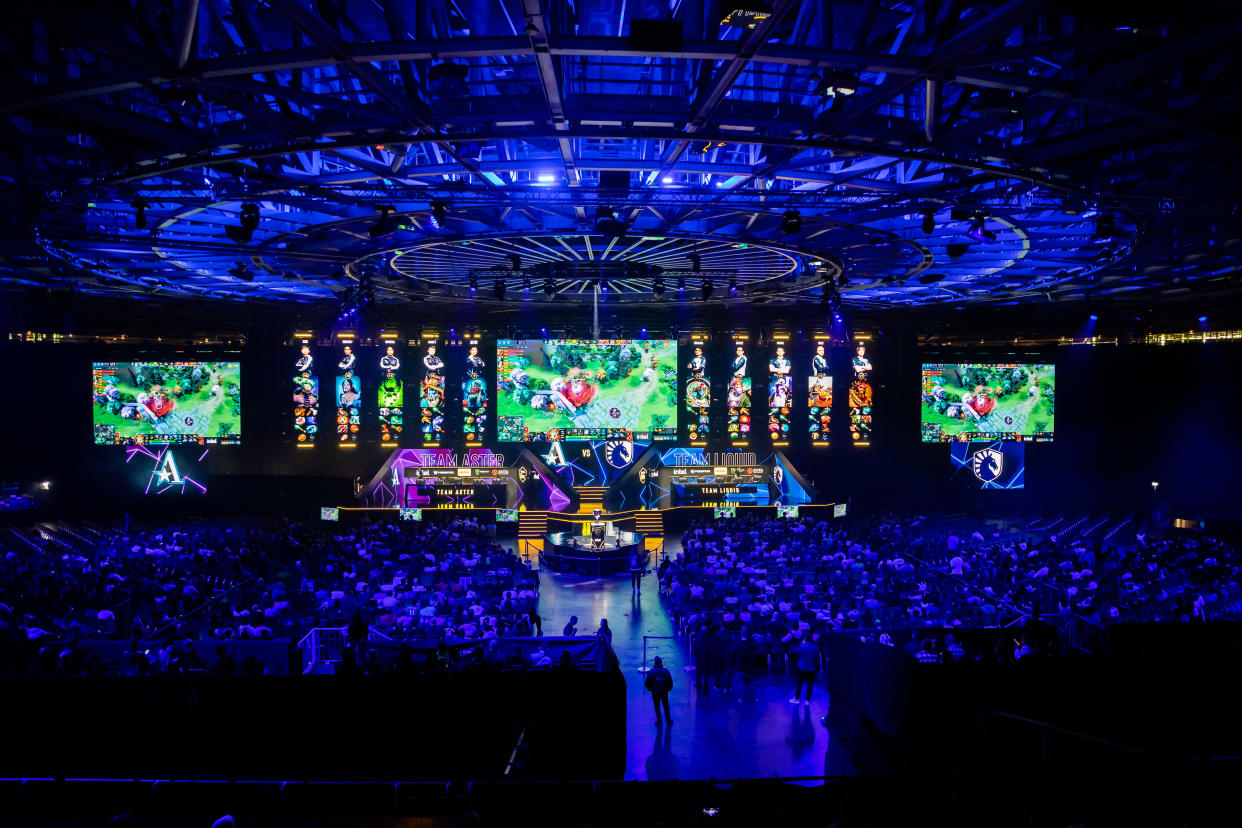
x: 167, y: 402
x: 988, y: 401
x: 578, y: 389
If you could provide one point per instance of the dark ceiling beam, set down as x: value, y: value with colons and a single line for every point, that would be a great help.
x: 706, y: 104
x: 187, y: 22
x: 551, y: 83
x: 941, y: 59
x: 328, y: 40
x: 265, y: 61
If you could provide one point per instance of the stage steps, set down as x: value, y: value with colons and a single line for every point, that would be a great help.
x: 590, y: 496
x: 532, y: 524
x: 650, y: 524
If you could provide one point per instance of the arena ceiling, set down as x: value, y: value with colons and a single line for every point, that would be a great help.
x: 875, y: 153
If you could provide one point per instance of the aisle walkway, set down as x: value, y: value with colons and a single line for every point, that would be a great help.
x: 714, y: 736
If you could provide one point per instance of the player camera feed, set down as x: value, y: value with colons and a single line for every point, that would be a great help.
x: 411, y: 514
x: 988, y: 401
x: 552, y: 390
x: 167, y: 402
x: 786, y: 511
x: 726, y: 512
x: 329, y: 513
x: 506, y: 516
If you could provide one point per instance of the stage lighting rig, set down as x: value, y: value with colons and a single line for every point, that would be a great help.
x: 696, y: 262
x: 241, y: 271
x: 834, y: 83
x: 929, y: 220
x: 515, y: 261
x: 381, y: 227
x: 978, y: 231
x: 657, y: 287
x: 956, y: 251
x: 707, y: 288
x: 744, y: 14
x: 247, y: 223
x: 607, y: 223
x: 140, y: 213
x: 498, y: 289
x: 549, y: 289
x: 474, y: 284
x: 791, y: 222
x: 439, y: 212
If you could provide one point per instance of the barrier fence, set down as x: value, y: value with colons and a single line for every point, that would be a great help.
x: 644, y: 668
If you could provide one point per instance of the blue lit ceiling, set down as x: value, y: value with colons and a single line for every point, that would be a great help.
x: 888, y: 154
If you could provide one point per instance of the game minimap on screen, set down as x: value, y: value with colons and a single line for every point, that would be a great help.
x: 618, y: 389
x: 166, y: 402
x: 988, y: 401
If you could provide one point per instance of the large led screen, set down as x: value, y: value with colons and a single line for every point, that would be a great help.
x: 166, y: 402
x: 577, y: 389
x: 988, y: 401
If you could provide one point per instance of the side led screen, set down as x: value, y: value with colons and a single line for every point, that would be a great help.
x: 698, y: 394
x: 861, y: 396
x: 431, y: 395
x: 474, y: 401
x: 962, y: 402
x: 166, y: 402
x: 348, y: 397
x: 391, y: 397
x: 780, y: 393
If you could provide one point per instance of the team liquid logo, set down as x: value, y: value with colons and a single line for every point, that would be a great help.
x: 987, y: 464
x: 778, y: 476
x: 619, y: 453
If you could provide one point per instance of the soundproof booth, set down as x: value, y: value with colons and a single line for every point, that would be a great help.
x: 547, y: 413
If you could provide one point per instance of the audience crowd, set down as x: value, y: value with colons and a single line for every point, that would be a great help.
x: 163, y: 588
x: 769, y: 585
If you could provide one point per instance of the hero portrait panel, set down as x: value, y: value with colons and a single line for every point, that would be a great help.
x: 167, y: 402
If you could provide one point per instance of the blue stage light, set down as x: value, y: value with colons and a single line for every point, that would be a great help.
x: 1202, y: 318
x: 1093, y: 317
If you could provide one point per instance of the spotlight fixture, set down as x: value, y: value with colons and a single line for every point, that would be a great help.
x: 474, y: 284
x: 835, y: 83
x: 956, y: 251
x: 843, y: 281
x: 733, y: 286
x: 929, y: 220
x: 140, y: 213
x: 439, y: 212
x: 1105, y: 226
x: 977, y: 230
x: 607, y: 223
x: 681, y: 285
x: 247, y: 223
x: 531, y: 29
x: 1202, y: 318
x: 696, y: 262
x: 791, y: 222
x: 1093, y: 317
x: 515, y: 261
x: 498, y: 289
x: 381, y: 228
x: 241, y: 271
x: 707, y: 289
x: 657, y: 288
x: 549, y: 289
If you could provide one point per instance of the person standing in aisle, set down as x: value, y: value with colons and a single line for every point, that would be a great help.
x: 659, y: 682
x: 807, y: 659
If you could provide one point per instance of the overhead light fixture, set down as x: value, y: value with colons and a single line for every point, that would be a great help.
x: 696, y: 262
x: 474, y: 284
x: 549, y: 289
x: 381, y: 228
x: 931, y: 278
x: 929, y: 220
x: 140, y: 213
x: 247, y: 223
x: 515, y: 261
x: 835, y: 83
x: 498, y: 289
x: 439, y: 212
x: 791, y: 222
x: 733, y: 286
x: 531, y: 29
x: 241, y: 271
x: 956, y: 251
x: 978, y: 231
x: 607, y: 223
x: 843, y: 280
x: 681, y: 285
x: 448, y: 80
x: 657, y: 288
x: 744, y: 14
x: 1105, y: 226
x: 707, y: 289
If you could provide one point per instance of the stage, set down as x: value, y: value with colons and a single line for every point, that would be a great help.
x: 572, y: 552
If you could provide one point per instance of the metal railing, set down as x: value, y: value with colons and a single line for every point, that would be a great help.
x: 643, y: 667
x: 326, y: 645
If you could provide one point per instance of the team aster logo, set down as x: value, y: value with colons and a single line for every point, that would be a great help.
x: 165, y: 474
x: 987, y: 464
x: 619, y: 453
